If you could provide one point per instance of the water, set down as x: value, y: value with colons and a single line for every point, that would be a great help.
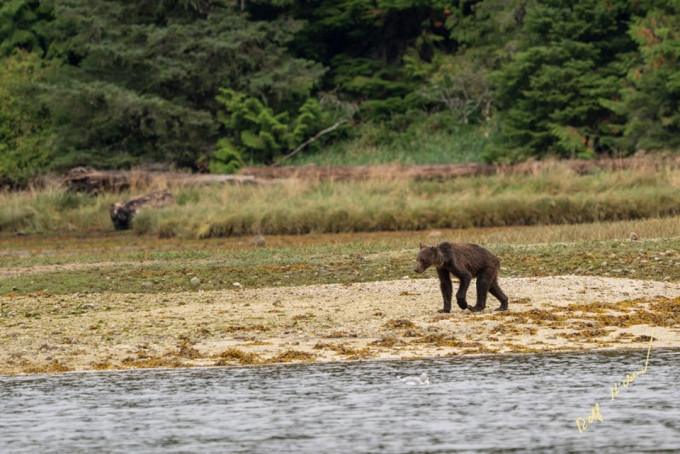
x: 517, y: 403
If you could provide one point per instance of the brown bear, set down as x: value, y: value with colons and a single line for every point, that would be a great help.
x: 465, y: 261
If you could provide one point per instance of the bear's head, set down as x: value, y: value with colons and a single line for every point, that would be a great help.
x: 427, y: 257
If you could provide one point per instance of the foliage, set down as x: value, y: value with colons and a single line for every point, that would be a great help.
x: 137, y: 80
x: 23, y: 136
x: 460, y: 87
x: 116, y: 127
x: 117, y: 83
x: 23, y: 25
x: 572, y: 55
x: 226, y: 158
x: 652, y: 100
x: 487, y: 31
x: 434, y: 139
x: 257, y: 132
x: 363, y: 44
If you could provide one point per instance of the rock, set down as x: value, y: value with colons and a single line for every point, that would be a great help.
x: 195, y: 281
x: 236, y: 285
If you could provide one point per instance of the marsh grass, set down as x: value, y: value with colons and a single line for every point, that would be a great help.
x: 554, y: 195
x: 52, y: 208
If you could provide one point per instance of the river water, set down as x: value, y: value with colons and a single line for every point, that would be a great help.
x: 511, y: 403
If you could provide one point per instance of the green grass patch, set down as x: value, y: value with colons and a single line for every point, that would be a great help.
x: 125, y: 262
x: 428, y: 143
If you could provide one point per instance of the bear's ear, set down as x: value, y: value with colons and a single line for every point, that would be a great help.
x: 422, y: 246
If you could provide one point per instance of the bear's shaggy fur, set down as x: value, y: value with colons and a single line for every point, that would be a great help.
x: 465, y: 261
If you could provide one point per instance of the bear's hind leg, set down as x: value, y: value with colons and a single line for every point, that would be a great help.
x: 496, y: 291
x: 461, y: 294
x: 483, y: 284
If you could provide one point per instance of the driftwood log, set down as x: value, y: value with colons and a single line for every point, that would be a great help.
x: 92, y: 181
x: 88, y: 179
x: 123, y: 212
x: 450, y: 171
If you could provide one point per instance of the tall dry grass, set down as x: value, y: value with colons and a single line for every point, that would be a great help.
x: 50, y: 208
x: 556, y: 195
x: 552, y: 195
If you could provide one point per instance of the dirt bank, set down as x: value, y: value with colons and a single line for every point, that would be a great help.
x: 390, y: 319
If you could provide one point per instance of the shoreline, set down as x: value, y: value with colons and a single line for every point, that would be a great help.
x: 630, y: 349
x: 385, y: 320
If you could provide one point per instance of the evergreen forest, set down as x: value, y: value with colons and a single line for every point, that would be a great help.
x: 212, y: 85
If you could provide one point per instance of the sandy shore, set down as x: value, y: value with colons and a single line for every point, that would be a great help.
x: 381, y: 320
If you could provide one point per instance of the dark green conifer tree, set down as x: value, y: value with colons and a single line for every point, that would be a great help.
x: 652, y: 99
x: 573, y: 56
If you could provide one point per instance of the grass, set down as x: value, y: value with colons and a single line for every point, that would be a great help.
x: 126, y: 262
x: 380, y: 144
x: 553, y: 221
x: 54, y: 209
x: 556, y: 195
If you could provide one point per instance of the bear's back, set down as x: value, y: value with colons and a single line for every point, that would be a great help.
x: 469, y: 256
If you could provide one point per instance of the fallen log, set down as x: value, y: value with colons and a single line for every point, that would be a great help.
x: 123, y: 212
x: 450, y: 171
x: 92, y: 181
x: 87, y: 179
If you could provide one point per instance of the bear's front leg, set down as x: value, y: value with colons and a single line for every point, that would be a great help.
x: 446, y: 288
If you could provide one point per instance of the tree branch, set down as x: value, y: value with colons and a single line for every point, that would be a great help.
x: 310, y: 140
